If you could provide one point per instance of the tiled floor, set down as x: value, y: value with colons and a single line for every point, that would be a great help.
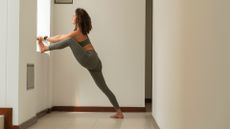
x: 94, y: 120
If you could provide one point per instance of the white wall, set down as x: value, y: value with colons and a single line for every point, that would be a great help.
x: 9, y: 55
x: 167, y: 58
x: 3, y: 36
x: 118, y: 36
x: 37, y: 99
x: 18, y: 34
x: 191, y: 64
x: 27, y: 98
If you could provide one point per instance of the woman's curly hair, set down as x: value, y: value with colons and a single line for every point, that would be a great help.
x: 84, y: 21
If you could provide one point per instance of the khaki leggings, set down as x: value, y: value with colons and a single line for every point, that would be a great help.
x: 90, y: 60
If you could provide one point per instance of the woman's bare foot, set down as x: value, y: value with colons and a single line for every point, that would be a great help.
x: 118, y: 115
x: 42, y: 47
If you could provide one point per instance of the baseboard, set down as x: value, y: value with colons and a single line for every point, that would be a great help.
x: 148, y: 100
x: 43, y: 113
x: 8, y: 112
x: 28, y: 123
x: 8, y: 123
x: 155, y: 123
x: 33, y: 120
x: 96, y: 109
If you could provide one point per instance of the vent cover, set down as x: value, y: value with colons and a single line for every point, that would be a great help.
x: 30, y: 76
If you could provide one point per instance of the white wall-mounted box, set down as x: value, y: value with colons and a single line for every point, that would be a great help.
x: 1, y: 122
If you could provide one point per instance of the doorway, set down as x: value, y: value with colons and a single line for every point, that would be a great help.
x: 148, y: 56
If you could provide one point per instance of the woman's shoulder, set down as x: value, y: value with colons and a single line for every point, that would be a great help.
x: 77, y: 33
x: 74, y: 33
x: 71, y: 34
x: 79, y: 36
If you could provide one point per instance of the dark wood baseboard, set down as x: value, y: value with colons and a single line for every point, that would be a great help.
x: 33, y: 120
x: 8, y: 122
x: 7, y: 112
x: 96, y: 109
x: 43, y: 113
x: 148, y: 100
x: 28, y: 123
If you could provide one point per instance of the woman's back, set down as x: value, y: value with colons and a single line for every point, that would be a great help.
x: 79, y: 37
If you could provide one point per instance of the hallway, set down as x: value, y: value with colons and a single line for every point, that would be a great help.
x: 187, y: 65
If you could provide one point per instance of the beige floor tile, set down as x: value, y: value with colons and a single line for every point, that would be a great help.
x: 93, y: 120
x: 108, y: 123
x: 137, y: 123
x: 81, y: 123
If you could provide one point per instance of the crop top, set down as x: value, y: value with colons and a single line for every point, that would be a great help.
x: 84, y: 42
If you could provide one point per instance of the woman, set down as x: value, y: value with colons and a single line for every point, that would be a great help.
x: 83, y: 51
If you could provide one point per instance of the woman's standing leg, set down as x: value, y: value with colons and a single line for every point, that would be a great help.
x: 98, y: 77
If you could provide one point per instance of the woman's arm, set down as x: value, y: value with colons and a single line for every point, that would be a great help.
x: 58, y: 38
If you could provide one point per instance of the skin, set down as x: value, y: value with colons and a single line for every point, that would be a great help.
x: 78, y: 36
